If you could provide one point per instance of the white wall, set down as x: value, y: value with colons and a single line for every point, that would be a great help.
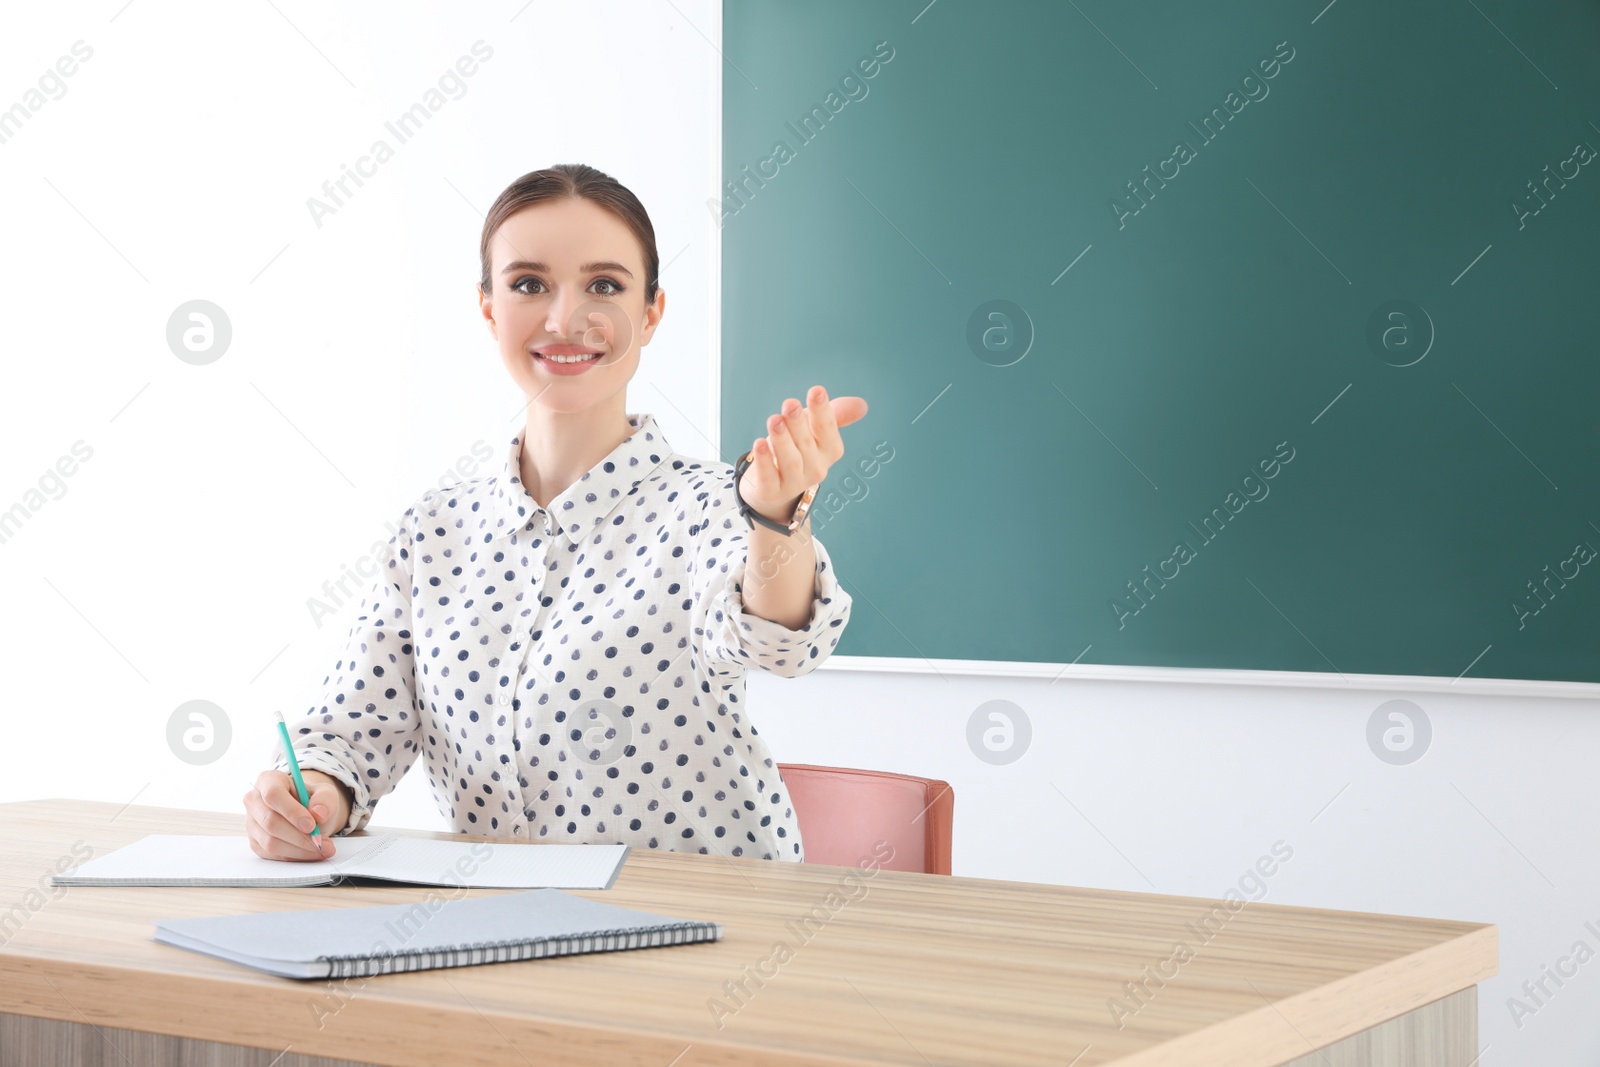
x: 176, y: 563
x: 179, y: 560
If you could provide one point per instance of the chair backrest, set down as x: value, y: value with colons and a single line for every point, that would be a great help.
x: 844, y: 812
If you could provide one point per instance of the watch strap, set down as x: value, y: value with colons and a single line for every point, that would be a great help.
x: 751, y: 516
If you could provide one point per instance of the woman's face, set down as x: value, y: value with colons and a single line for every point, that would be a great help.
x: 568, y: 277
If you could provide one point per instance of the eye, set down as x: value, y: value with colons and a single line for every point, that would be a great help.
x: 612, y: 288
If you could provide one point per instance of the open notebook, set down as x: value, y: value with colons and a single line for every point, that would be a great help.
x: 202, y: 860
x: 353, y: 942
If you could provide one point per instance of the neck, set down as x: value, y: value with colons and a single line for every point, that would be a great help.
x: 559, y: 447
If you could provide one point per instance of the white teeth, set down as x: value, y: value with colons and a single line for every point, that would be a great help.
x: 571, y: 359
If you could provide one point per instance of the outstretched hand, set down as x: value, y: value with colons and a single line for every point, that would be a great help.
x: 801, y: 444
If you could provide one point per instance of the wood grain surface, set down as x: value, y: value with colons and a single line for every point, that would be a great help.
x: 839, y: 965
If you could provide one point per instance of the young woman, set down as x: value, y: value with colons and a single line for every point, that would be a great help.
x: 565, y: 641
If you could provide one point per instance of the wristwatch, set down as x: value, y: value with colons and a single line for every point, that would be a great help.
x: 751, y: 516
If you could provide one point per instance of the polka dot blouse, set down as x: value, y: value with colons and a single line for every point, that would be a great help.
x: 576, y: 673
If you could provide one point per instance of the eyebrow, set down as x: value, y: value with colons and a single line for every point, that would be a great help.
x: 587, y: 268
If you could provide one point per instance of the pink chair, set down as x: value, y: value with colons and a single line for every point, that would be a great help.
x: 844, y: 812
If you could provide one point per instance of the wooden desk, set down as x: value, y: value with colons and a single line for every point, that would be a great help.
x: 898, y: 968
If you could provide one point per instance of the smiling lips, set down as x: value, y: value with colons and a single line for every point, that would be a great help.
x: 566, y: 359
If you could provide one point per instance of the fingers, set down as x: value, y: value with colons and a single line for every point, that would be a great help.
x: 847, y: 409
x: 797, y: 421
x: 814, y: 453
x: 275, y: 818
x: 272, y: 837
x: 824, y: 421
x: 765, y: 459
x: 328, y: 805
x: 824, y: 426
x: 282, y: 800
x: 803, y: 441
x: 791, y: 464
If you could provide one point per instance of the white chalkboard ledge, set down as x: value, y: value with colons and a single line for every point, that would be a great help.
x: 1464, y: 685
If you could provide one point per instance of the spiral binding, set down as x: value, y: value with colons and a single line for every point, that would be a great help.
x: 683, y: 933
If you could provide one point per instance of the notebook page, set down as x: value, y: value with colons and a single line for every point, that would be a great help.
x: 493, y: 865
x: 198, y: 859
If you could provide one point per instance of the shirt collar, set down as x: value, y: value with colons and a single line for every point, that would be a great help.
x: 591, y: 499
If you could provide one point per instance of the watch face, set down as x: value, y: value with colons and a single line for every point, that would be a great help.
x: 802, y: 510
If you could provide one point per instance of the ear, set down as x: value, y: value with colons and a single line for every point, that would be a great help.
x: 486, y: 309
x: 652, y: 316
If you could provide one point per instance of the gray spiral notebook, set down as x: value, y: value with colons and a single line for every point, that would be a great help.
x: 390, y: 938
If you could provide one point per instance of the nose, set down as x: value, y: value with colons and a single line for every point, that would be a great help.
x: 559, y: 313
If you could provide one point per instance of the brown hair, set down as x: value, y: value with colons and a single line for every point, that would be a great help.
x: 579, y: 181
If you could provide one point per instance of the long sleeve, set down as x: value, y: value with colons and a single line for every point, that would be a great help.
x: 363, y: 728
x: 725, y: 634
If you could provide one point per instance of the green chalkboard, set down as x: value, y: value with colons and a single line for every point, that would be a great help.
x: 1232, y: 335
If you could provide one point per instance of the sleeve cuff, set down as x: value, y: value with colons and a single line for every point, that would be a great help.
x: 772, y: 646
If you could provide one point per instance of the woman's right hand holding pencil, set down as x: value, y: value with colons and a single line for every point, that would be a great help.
x: 279, y: 827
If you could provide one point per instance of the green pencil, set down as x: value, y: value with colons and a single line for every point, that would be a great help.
x: 299, y: 782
